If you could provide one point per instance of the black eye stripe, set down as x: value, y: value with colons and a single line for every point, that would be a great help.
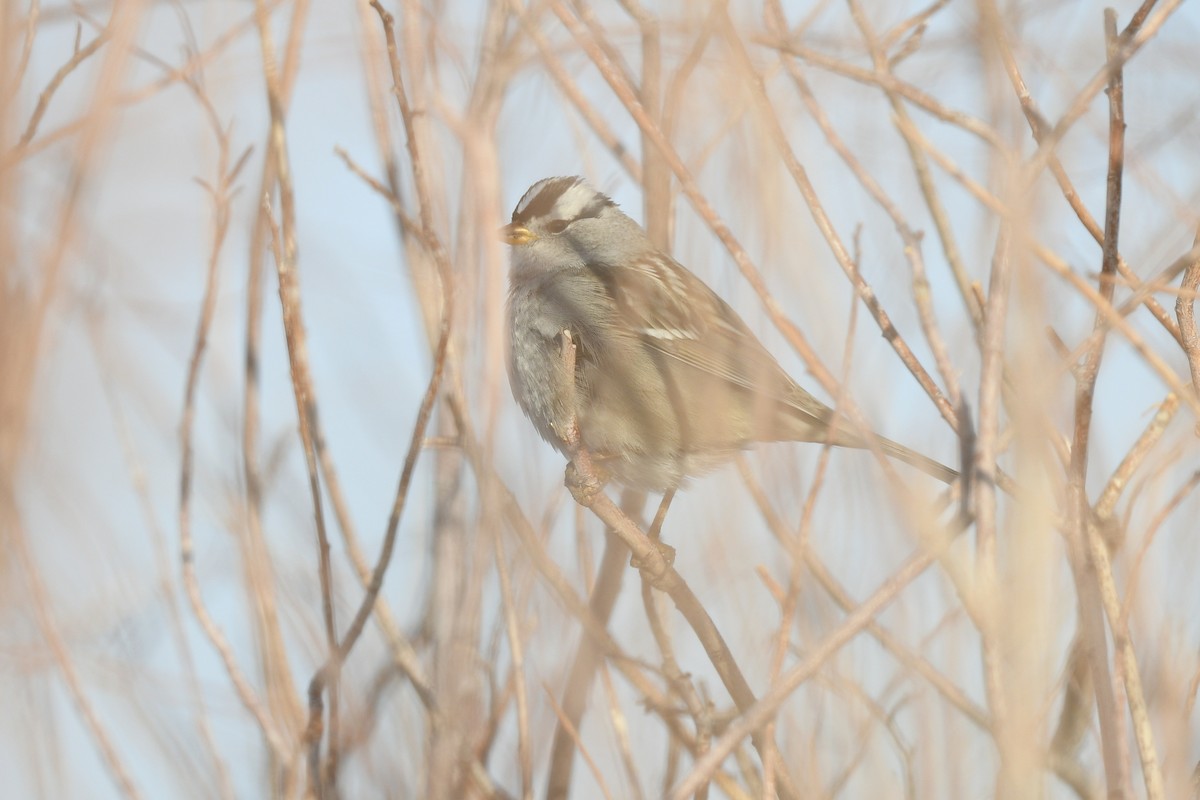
x: 591, y: 211
x: 594, y: 208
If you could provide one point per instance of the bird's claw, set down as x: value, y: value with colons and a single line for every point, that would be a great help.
x: 584, y: 484
x: 656, y: 579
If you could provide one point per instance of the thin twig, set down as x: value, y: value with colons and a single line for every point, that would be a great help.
x: 18, y: 73
x: 1152, y: 529
x: 800, y: 176
x: 910, y: 240
x: 1127, y: 48
x: 18, y: 538
x: 152, y: 89
x: 620, y: 727
x: 516, y: 649
x: 911, y: 659
x: 986, y: 468
x: 933, y: 202
x: 303, y: 386
x: 282, y: 695
x: 187, y: 547
x: 80, y: 55
x: 1107, y: 502
x: 570, y: 89
x: 1185, y: 311
x: 1115, y: 320
x: 606, y: 588
x: 753, y: 718
x: 1111, y: 727
x: 164, y: 563
x: 583, y: 751
x: 891, y: 83
x: 1130, y: 673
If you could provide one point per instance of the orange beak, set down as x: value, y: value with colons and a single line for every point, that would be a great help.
x: 514, y: 234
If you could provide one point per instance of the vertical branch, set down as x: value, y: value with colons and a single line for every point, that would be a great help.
x: 1116, y: 163
x: 1127, y: 46
x: 296, y: 337
x: 656, y: 204
x: 1129, y: 671
x: 259, y: 574
x: 332, y: 667
x: 403, y: 650
x: 587, y: 658
x: 281, y: 693
x: 987, y: 470
x: 680, y: 684
x: 656, y: 176
x: 1038, y: 128
x: 452, y: 622
x: 186, y: 544
x: 1015, y: 556
x: 1099, y: 568
x: 1112, y: 728
x: 516, y: 647
x: 329, y: 671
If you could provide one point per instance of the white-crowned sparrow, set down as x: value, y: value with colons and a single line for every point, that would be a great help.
x: 669, y: 381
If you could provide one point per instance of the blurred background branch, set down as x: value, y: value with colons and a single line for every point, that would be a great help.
x: 1009, y: 191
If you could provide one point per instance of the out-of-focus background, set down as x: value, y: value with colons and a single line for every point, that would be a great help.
x: 164, y: 166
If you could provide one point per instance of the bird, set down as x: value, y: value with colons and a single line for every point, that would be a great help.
x: 669, y: 382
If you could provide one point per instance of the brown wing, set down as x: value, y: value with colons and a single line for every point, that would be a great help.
x: 679, y: 316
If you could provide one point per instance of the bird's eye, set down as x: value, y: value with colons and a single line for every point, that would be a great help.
x: 557, y: 226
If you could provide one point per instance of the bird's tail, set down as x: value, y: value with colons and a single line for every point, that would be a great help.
x: 927, y: 465
x: 808, y: 420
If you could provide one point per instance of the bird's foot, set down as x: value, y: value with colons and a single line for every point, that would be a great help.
x: 656, y: 578
x: 583, y: 480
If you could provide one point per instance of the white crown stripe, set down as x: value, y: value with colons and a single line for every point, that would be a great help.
x: 532, y: 193
x: 572, y: 202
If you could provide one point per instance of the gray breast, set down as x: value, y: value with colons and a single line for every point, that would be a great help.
x: 535, y: 368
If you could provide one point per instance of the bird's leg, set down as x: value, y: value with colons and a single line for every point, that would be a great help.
x: 655, y: 532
